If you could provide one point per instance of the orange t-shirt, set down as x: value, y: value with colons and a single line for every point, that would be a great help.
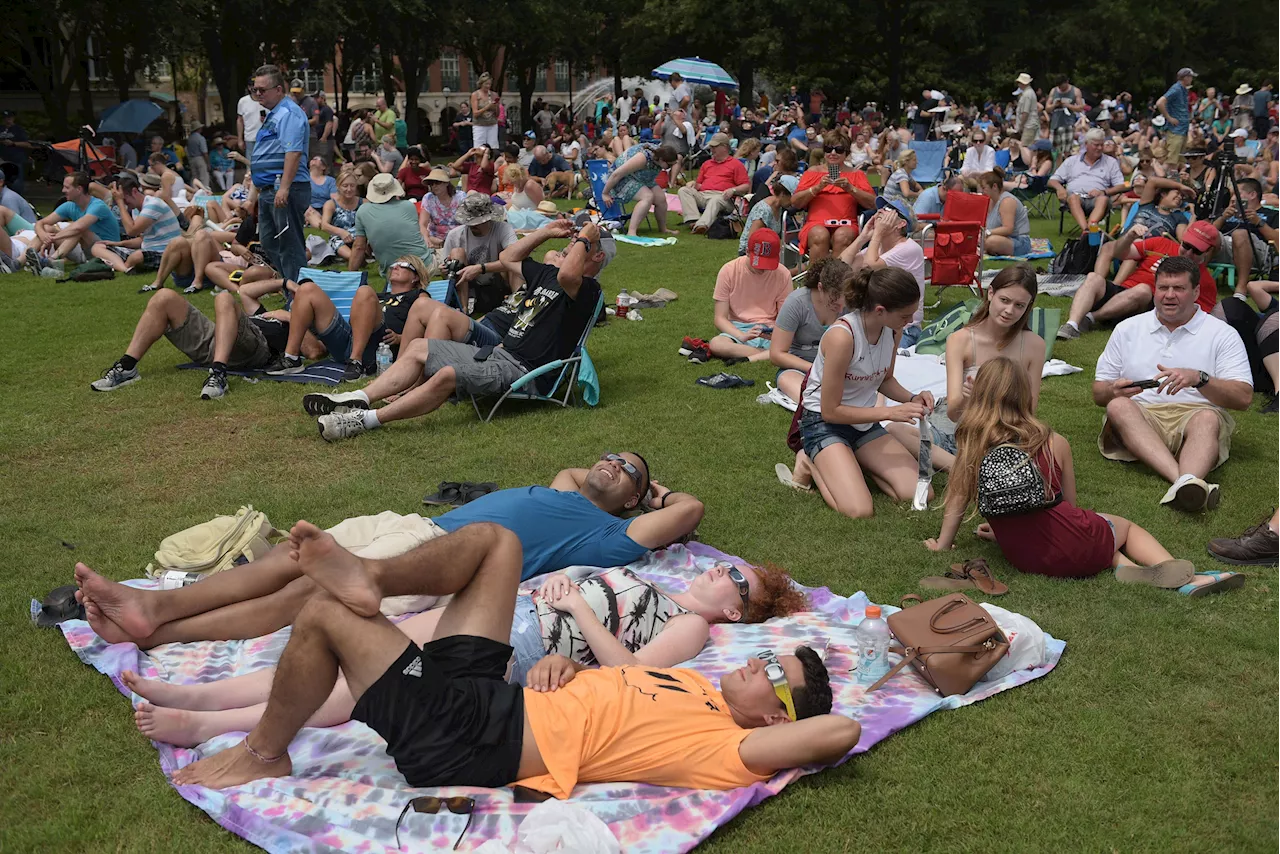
x: 636, y: 724
x: 833, y: 202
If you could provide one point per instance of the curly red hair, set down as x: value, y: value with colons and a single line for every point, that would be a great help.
x: 777, y: 595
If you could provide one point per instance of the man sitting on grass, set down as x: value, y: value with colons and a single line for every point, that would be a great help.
x: 1180, y: 428
x: 541, y: 323
x: 749, y: 293
x: 149, y: 232
x: 231, y: 340
x: 583, y: 519
x: 375, y: 319
x: 1101, y: 299
x: 90, y: 221
x: 450, y: 718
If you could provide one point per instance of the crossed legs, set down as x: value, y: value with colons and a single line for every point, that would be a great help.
x: 1199, y: 451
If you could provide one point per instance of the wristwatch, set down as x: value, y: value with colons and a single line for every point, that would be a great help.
x: 1204, y: 380
x: 584, y: 242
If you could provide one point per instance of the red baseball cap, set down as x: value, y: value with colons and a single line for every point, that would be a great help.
x: 1202, y: 235
x: 764, y: 248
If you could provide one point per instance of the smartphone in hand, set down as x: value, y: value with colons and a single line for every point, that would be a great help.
x: 1143, y: 384
x: 833, y: 171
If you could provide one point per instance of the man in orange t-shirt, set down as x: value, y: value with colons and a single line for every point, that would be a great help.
x: 1100, y: 299
x: 450, y: 718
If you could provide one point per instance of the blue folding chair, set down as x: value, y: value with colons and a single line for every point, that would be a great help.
x: 339, y: 285
x: 598, y: 173
x: 1003, y: 157
x: 443, y: 291
x: 931, y: 161
x: 563, y: 390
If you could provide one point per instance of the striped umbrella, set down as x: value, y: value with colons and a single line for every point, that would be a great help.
x: 695, y: 70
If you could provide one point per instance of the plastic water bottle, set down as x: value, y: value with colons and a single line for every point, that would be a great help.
x: 872, y: 635
x: 623, y: 303
x: 384, y: 357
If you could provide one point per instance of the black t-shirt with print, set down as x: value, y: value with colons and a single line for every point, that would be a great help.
x: 541, y: 323
x: 395, y: 308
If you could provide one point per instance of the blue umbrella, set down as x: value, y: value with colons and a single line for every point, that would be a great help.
x: 131, y: 116
x: 695, y: 70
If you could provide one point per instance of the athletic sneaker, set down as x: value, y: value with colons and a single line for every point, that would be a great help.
x: 115, y: 377
x: 285, y: 365
x: 146, y: 289
x: 1258, y: 546
x: 324, y: 404
x: 700, y: 355
x: 340, y: 425
x: 688, y: 345
x: 354, y: 371
x: 215, y: 386
x: 1272, y: 406
x: 1067, y: 332
x: 1087, y: 324
x: 33, y: 262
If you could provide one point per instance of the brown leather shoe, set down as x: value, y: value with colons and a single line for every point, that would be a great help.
x: 1258, y: 546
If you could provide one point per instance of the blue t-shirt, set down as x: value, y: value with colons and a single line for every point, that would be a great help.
x: 927, y: 202
x: 321, y: 192
x: 106, y: 228
x: 285, y: 130
x: 1179, y: 110
x: 556, y: 529
x: 164, y: 225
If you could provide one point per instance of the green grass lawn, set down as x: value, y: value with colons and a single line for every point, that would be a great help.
x: 1156, y: 732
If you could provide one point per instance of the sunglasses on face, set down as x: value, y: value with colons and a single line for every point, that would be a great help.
x: 403, y: 265
x: 736, y: 576
x: 260, y: 90
x: 431, y: 804
x: 839, y: 149
x: 1187, y: 247
x: 630, y: 469
x: 778, y: 679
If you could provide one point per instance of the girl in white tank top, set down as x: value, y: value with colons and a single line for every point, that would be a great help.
x: 856, y: 355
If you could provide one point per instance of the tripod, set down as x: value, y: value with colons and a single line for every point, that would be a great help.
x: 1223, y: 189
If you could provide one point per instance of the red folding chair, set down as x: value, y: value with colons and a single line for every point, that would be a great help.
x: 953, y: 245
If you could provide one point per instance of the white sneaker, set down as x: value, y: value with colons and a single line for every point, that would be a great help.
x: 324, y: 404
x: 115, y: 377
x: 1188, y: 493
x: 214, y: 387
x: 340, y: 425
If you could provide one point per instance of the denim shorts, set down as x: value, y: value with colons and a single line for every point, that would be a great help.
x: 526, y: 640
x: 910, y: 335
x: 336, y: 338
x: 481, y: 334
x: 817, y: 434
x: 1022, y: 244
x: 760, y: 343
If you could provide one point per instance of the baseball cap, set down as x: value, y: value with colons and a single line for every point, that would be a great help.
x: 1240, y: 133
x: 295, y: 86
x: 530, y: 135
x: 720, y: 139
x: 902, y: 208
x: 1184, y: 71
x: 764, y: 248
x: 1202, y: 235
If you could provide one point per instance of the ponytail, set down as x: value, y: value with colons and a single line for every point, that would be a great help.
x: 994, y: 178
x: 890, y: 287
x: 830, y: 273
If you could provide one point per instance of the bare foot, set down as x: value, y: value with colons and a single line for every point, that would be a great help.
x: 802, y: 474
x: 232, y: 767
x: 160, y: 692
x: 127, y: 608
x: 666, y: 231
x: 334, y: 568
x: 105, y: 628
x: 179, y: 727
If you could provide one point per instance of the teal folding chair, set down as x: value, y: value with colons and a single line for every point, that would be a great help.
x: 563, y: 391
x: 339, y: 285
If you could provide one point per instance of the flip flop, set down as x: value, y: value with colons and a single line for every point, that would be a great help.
x: 983, y: 578
x: 472, y: 491
x: 1169, y: 574
x: 448, y: 492
x: 724, y: 381
x: 1222, y: 582
x: 787, y: 479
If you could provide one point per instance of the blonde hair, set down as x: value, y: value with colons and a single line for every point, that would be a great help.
x: 999, y: 412
x: 748, y: 149
x: 419, y: 266
x: 908, y: 156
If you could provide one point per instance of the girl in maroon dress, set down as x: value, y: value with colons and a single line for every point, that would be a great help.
x: 1059, y: 539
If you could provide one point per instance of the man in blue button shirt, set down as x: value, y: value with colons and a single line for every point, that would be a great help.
x: 284, y: 190
x: 1173, y: 105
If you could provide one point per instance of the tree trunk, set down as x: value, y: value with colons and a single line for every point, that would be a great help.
x: 893, y: 50
x: 528, y: 83
x: 746, y: 83
x: 410, y: 71
x: 386, y: 67
x: 86, y: 93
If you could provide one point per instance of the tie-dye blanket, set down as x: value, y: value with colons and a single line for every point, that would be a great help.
x: 347, y: 793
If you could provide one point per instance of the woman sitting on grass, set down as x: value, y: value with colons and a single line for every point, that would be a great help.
x: 609, y: 619
x: 803, y: 319
x: 338, y: 219
x: 840, y: 422
x: 999, y: 328
x: 1057, y: 538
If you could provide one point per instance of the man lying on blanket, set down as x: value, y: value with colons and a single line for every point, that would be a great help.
x: 449, y: 717
x: 575, y: 522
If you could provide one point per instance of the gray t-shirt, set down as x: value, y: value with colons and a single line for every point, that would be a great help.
x: 395, y: 158
x: 197, y: 146
x: 309, y: 109
x: 798, y: 317
x: 484, y: 248
x: 392, y: 230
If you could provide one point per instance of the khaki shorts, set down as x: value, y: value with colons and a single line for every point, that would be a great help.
x: 1174, y: 145
x: 195, y: 338
x: 1169, y: 420
x: 1029, y: 135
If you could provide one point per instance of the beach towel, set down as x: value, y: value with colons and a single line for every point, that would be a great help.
x: 1051, y: 284
x: 327, y: 372
x: 1040, y: 248
x: 645, y: 241
x: 347, y: 793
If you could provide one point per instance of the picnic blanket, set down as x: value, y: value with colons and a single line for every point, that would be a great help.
x: 327, y: 372
x: 1040, y: 248
x: 645, y: 241
x: 347, y: 793
x: 1052, y: 284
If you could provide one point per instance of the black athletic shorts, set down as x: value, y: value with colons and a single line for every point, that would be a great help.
x: 1111, y: 290
x: 448, y: 715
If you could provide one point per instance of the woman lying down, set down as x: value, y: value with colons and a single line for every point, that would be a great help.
x: 608, y: 619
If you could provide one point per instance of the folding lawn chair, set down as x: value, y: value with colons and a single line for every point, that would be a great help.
x: 1037, y: 197
x: 792, y: 257
x: 1062, y: 218
x: 954, y: 255
x: 598, y: 173
x: 555, y: 382
x: 339, y: 285
x: 931, y: 161
x: 443, y: 291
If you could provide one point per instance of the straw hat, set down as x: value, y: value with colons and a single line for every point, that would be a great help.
x: 548, y: 207
x: 1023, y: 79
x: 383, y: 188
x: 437, y: 174
x: 1244, y: 89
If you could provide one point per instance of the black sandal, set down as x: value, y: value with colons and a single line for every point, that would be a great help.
x: 472, y: 491
x: 449, y: 492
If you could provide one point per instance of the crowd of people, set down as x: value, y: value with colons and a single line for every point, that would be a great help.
x: 499, y: 686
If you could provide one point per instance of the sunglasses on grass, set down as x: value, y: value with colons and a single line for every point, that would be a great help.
x: 431, y: 804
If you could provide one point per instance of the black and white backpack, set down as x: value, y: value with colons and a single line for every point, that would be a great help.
x: 1010, y: 483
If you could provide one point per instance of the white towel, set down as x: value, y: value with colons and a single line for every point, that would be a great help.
x: 1058, y: 368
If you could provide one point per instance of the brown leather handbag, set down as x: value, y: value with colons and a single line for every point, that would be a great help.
x: 951, y: 642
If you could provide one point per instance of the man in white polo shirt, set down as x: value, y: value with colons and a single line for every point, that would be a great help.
x: 1179, y: 427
